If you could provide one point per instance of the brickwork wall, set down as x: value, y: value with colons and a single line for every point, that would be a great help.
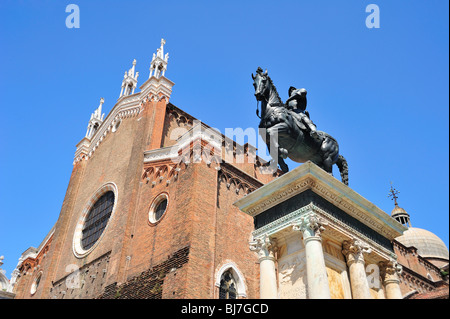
x: 233, y: 234
x: 160, y: 281
x: 133, y: 256
x: 418, y: 274
x: 117, y: 159
x: 85, y: 282
x: 30, y: 270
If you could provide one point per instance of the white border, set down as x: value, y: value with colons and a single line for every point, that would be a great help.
x: 239, y: 278
x: 156, y: 201
x: 35, y: 286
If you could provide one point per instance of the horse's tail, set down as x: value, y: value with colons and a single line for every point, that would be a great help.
x: 343, y: 168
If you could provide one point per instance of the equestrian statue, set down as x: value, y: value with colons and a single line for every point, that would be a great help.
x: 290, y: 131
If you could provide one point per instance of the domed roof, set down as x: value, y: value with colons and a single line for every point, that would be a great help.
x: 398, y: 211
x: 427, y: 243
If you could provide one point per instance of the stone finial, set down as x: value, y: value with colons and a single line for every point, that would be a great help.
x: 129, y: 82
x: 96, y: 120
x: 158, y: 65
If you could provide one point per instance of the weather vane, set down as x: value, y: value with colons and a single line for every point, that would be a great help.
x: 393, y: 193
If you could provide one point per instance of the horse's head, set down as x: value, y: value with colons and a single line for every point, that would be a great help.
x: 261, y: 84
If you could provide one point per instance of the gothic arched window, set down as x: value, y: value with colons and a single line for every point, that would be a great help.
x: 227, y: 289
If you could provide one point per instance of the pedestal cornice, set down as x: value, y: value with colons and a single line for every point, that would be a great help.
x: 310, y: 176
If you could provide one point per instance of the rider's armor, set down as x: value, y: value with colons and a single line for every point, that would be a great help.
x: 297, y: 104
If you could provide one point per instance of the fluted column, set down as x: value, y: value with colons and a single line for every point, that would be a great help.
x: 390, y: 272
x: 266, y: 247
x: 311, y: 227
x: 354, y: 251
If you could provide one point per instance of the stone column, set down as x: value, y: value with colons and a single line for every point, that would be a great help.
x: 390, y: 272
x: 316, y: 273
x: 354, y: 251
x: 121, y: 91
x: 266, y: 247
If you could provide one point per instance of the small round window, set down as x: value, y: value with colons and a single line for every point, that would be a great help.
x: 35, y: 284
x: 158, y: 208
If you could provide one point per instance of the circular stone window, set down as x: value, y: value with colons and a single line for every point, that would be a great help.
x: 35, y: 284
x: 94, y: 220
x: 158, y: 208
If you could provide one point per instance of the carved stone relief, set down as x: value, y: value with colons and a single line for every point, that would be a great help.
x: 292, y: 277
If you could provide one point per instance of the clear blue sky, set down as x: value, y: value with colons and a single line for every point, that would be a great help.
x: 382, y: 93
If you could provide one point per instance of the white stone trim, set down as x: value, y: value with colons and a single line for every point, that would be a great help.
x: 78, y: 250
x: 310, y: 176
x: 196, y: 133
x: 334, y: 224
x: 34, y: 285
x: 154, y: 89
x: 158, y: 199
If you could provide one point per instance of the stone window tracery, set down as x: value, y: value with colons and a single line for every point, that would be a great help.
x: 95, y: 219
x: 227, y: 289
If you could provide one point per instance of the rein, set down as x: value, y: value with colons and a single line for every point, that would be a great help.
x: 257, y: 109
x: 271, y: 109
x: 272, y: 106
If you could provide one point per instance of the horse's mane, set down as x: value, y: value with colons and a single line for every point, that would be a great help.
x: 277, y: 96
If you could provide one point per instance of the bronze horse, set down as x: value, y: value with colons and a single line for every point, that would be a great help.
x: 284, y: 134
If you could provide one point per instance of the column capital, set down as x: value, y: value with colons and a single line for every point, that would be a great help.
x: 354, y: 250
x: 265, y: 247
x: 390, y: 270
x: 311, y: 226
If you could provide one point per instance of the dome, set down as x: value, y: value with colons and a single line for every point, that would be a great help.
x: 428, y: 244
x: 398, y: 211
x: 400, y: 215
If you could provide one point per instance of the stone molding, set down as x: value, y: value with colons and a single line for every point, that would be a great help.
x: 310, y: 176
x: 231, y: 175
x: 127, y: 106
x: 241, y: 286
x: 335, y: 227
x: 122, y: 110
x: 78, y: 251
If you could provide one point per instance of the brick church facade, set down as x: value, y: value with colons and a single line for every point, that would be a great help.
x: 163, y: 186
x: 184, y: 253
